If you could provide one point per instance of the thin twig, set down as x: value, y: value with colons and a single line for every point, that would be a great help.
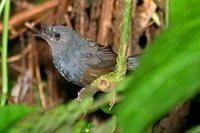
x: 20, y: 55
x: 67, y: 20
x: 40, y: 85
x: 82, y: 16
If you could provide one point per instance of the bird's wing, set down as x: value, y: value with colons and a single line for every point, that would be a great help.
x: 97, y: 61
x: 97, y: 56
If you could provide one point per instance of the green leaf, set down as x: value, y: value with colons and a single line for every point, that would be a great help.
x: 2, y: 4
x: 9, y: 115
x: 169, y: 71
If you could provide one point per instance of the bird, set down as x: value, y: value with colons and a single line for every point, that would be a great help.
x: 80, y: 60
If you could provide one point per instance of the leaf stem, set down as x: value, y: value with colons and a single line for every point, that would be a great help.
x: 4, y: 53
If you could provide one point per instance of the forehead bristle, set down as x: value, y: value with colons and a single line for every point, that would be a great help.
x: 46, y: 28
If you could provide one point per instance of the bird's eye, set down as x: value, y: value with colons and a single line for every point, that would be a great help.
x: 57, y: 36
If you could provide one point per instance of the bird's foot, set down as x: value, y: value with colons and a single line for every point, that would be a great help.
x: 80, y: 96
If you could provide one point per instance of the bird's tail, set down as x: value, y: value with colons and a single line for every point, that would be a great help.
x: 133, y: 62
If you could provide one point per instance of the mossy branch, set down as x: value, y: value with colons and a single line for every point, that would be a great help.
x: 124, y: 37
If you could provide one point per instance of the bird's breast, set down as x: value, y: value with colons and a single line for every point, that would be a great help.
x: 69, y: 67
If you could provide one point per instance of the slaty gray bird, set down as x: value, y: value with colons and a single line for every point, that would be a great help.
x: 78, y: 59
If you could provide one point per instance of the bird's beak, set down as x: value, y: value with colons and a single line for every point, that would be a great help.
x: 44, y: 33
x: 41, y: 35
x: 38, y: 35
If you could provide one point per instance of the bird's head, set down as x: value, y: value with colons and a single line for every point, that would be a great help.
x: 59, y: 38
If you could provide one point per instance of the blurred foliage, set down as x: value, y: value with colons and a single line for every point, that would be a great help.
x: 82, y: 127
x: 59, y: 119
x: 2, y: 4
x: 66, y: 118
x: 194, y: 130
x: 107, y: 126
x: 169, y: 71
x: 9, y: 115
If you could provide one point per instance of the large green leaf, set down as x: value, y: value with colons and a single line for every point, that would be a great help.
x: 169, y: 71
x: 9, y: 115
